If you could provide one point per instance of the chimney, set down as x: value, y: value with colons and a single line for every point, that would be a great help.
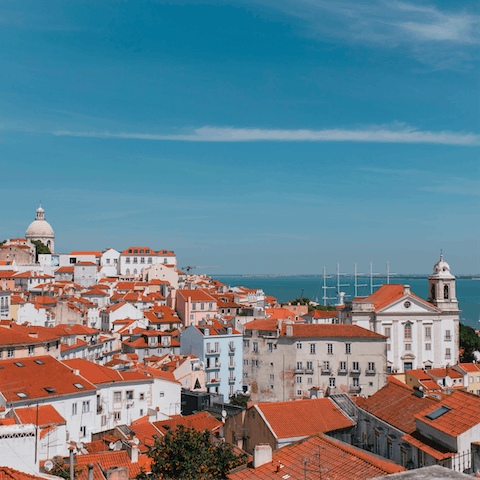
x: 90, y: 471
x: 262, y: 454
x: 133, y: 450
x: 289, y: 330
x: 117, y: 473
x: 406, y: 289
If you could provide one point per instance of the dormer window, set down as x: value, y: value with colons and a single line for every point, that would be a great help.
x: 136, y: 250
x: 141, y: 250
x: 147, y: 250
x: 129, y: 250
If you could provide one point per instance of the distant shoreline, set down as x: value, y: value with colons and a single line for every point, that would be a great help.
x: 392, y: 276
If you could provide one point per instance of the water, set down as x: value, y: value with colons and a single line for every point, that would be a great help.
x: 286, y: 288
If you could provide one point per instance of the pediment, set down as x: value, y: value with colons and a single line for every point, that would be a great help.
x: 409, y: 304
x: 408, y: 356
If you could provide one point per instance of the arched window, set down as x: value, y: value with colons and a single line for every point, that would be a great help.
x: 446, y: 292
x: 407, y: 333
x: 135, y: 271
x: 433, y: 292
x: 127, y: 272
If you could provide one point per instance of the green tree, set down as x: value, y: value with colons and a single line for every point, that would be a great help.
x: 40, y: 248
x: 469, y: 342
x: 189, y: 454
x: 239, y: 399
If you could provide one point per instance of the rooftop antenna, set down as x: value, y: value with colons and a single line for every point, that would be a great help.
x: 325, y: 288
x: 356, y: 281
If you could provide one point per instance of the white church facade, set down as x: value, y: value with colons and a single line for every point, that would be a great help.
x: 421, y: 334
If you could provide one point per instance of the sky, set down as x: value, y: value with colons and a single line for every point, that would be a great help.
x: 270, y: 136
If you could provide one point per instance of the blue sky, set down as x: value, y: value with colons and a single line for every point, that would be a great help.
x: 261, y: 136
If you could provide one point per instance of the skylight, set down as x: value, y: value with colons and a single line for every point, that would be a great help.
x: 18, y: 364
x: 438, y: 412
x: 39, y: 362
x: 50, y: 390
x: 78, y: 385
x: 22, y: 395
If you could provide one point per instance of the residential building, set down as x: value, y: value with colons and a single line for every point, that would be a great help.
x: 5, y: 302
x: 145, y: 343
x: 134, y: 260
x: 18, y: 250
x: 109, y: 261
x: 421, y: 334
x: 116, y: 312
x: 193, y: 306
x: 471, y: 376
x: 443, y: 380
x: 163, y: 272
x: 286, y: 361
x: 219, y: 346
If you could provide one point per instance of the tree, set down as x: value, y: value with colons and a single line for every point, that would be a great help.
x: 61, y: 469
x: 189, y: 454
x: 469, y: 342
x: 41, y: 249
x: 239, y: 399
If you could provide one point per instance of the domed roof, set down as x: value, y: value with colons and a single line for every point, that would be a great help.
x: 40, y: 227
x: 442, y: 268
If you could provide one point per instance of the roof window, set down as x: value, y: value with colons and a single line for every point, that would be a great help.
x: 22, y: 395
x: 129, y: 250
x: 136, y: 250
x: 141, y: 250
x: 19, y: 364
x: 79, y: 386
x: 438, y: 412
x: 147, y: 250
x: 50, y: 390
x: 39, y: 362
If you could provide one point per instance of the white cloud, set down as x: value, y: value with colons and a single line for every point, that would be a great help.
x: 377, y: 134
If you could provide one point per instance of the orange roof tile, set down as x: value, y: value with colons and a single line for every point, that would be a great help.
x: 386, y: 295
x: 396, y: 404
x: 198, y: 295
x: 303, y: 417
x: 428, y: 446
x: 7, y: 473
x: 266, y: 325
x: 201, y: 421
x: 308, y: 330
x: 42, y: 416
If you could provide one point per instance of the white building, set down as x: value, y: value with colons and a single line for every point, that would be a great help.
x: 116, y: 312
x: 421, y: 334
x: 109, y: 261
x: 135, y: 259
x: 161, y: 272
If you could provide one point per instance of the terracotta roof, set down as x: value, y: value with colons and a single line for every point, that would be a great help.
x: 146, y: 433
x: 201, y: 421
x: 303, y: 417
x: 396, y: 404
x: 80, y: 253
x: 337, y: 460
x: 308, y: 330
x: 217, y: 328
x: 469, y: 367
x: 198, y: 295
x: 386, y: 295
x: 64, y: 270
x: 42, y: 416
x: 7, y: 421
x: 113, y: 308
x: 266, y: 325
x: 37, y: 375
x: 462, y: 413
x: 321, y: 314
x: 428, y: 446
x: 143, y: 251
x: 7, y: 473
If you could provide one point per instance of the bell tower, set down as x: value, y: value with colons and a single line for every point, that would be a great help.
x: 441, y: 285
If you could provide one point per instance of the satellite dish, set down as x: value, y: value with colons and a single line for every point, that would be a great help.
x: 224, y: 413
x: 136, y: 441
x: 448, y: 381
x: 48, y: 465
x: 111, y: 446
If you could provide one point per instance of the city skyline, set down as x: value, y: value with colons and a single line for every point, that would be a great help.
x: 265, y: 137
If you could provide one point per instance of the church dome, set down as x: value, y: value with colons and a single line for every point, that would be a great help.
x: 442, y: 268
x: 39, y: 227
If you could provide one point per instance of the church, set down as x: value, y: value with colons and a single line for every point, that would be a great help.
x: 421, y: 333
x: 41, y: 230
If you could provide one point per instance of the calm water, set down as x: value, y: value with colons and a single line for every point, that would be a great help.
x: 288, y: 288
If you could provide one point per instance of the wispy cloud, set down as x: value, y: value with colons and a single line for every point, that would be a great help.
x: 378, y: 134
x: 438, y: 38
x: 292, y: 236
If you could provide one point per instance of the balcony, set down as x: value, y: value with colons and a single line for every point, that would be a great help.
x: 212, y: 352
x: 448, y: 338
x: 231, y: 380
x: 213, y: 367
x: 298, y: 371
x: 326, y: 370
x: 309, y: 371
x: 354, y: 390
x: 231, y: 366
x: 213, y: 381
x: 370, y: 371
x: 342, y: 371
x: 355, y: 371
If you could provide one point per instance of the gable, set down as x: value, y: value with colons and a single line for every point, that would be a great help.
x: 417, y: 306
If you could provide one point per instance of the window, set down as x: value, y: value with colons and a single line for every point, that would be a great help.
x: 356, y: 366
x: 428, y: 346
x: 246, y: 343
x: 343, y: 366
x: 447, y: 353
x: 127, y: 271
x: 387, y: 332
x: 231, y: 361
x: 74, y: 408
x: 407, y: 331
x: 194, y: 306
x: 438, y: 412
x: 79, y: 386
x: 255, y: 347
x: 245, y: 362
x: 356, y: 382
x: 408, y: 346
x: 162, y: 394
x: 299, y: 392
x: 83, y: 431
x: 209, y: 347
x: 149, y: 260
x: 447, y: 335
x: 107, y: 261
x: 210, y: 306
x: 127, y: 260
x: 428, y: 332
x: 104, y: 420
x: 370, y: 384
x: 270, y: 347
x: 272, y: 377
x: 446, y: 292
x: 10, y: 352
x: 142, y: 260
x: 312, y: 348
x: 202, y: 306
x: 86, y: 406
x: 310, y: 380
x: 309, y: 365
x: 389, y: 347
x: 326, y: 365
x: 330, y: 348
x: 129, y: 394
x: 371, y: 366
x: 117, y: 415
x: 299, y: 379
x: 117, y: 397
x: 332, y: 382
x: 348, y: 348
x: 192, y: 317
x: 299, y: 346
x: 31, y: 349
x: 255, y: 363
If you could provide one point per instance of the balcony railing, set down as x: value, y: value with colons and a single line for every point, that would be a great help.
x: 448, y: 338
x: 309, y: 370
x: 342, y: 371
x: 370, y: 371
x: 231, y: 380
x: 326, y: 370
x: 355, y: 371
x: 354, y: 389
x: 298, y: 371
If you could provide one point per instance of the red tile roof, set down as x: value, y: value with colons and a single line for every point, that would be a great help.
x: 7, y: 473
x: 430, y: 447
x: 464, y: 413
x: 387, y: 294
x: 321, y: 314
x: 303, y: 417
x: 33, y: 378
x: 337, y: 460
x: 146, y: 433
x: 469, y: 367
x: 266, y: 325
x: 44, y: 415
x: 307, y: 330
x: 396, y: 404
x: 201, y: 421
